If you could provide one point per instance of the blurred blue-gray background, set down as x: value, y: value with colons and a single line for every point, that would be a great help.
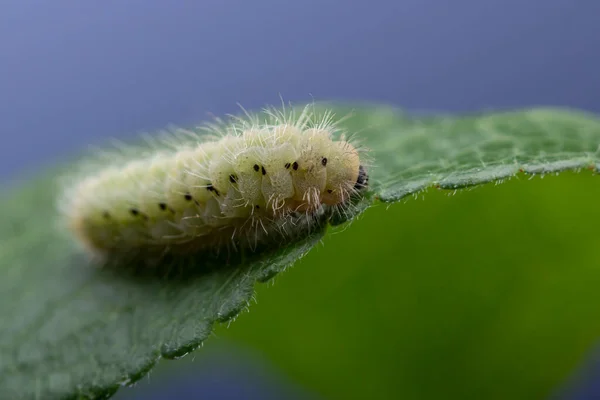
x: 77, y: 72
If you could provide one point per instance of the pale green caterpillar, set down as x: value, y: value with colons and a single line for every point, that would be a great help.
x: 249, y: 182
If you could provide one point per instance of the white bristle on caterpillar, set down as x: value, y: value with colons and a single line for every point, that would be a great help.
x: 246, y: 182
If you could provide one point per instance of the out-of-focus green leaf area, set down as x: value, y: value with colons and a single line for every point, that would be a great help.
x: 488, y: 294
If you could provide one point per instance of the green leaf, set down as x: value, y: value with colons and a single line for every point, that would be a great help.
x: 488, y: 294
x: 412, y: 154
x: 72, y: 330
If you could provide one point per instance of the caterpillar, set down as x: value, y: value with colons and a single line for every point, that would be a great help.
x: 236, y: 183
